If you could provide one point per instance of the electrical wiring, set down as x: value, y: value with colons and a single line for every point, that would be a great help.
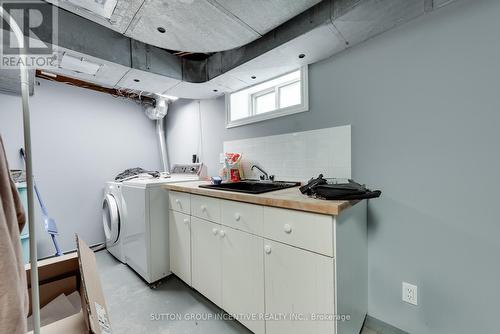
x: 125, y: 93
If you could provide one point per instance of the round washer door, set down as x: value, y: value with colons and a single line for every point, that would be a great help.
x: 110, y: 219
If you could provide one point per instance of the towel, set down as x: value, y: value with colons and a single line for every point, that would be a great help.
x: 14, y: 303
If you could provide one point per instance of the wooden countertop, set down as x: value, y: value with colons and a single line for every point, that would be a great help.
x: 290, y: 198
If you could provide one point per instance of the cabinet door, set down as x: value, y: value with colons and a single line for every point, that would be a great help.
x: 180, y: 245
x: 206, y: 258
x: 243, y: 277
x: 299, y: 284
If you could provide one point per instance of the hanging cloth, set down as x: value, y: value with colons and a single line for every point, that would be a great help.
x: 14, y: 302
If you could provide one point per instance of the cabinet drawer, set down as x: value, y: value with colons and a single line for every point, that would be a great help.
x: 242, y: 216
x: 180, y: 202
x: 207, y: 208
x: 305, y: 230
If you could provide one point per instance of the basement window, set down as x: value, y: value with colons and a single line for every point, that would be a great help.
x: 281, y: 96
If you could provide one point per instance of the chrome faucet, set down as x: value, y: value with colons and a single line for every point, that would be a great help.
x: 264, y: 175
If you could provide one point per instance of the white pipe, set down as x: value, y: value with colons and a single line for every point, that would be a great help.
x: 35, y: 299
x: 160, y: 131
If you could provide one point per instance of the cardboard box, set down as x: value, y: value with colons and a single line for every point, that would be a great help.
x: 64, y: 275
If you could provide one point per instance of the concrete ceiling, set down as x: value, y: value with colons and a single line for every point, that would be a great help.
x: 321, y: 31
x: 194, y: 25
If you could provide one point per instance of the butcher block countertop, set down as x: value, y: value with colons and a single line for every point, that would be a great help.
x: 290, y: 198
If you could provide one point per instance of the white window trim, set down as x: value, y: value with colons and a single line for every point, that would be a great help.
x: 253, y: 100
x: 254, y: 118
x: 278, y: 94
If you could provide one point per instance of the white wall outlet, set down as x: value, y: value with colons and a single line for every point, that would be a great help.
x: 222, y: 158
x: 410, y: 293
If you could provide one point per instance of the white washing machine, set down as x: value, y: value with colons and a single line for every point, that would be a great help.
x: 145, y: 216
x: 112, y: 219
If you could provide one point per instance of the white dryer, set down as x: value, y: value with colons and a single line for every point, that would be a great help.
x: 145, y: 215
x: 112, y: 219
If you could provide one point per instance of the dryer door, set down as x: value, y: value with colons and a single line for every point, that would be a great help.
x: 111, y: 219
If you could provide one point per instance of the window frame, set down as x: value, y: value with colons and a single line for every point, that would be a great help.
x: 279, y: 112
x: 253, y: 100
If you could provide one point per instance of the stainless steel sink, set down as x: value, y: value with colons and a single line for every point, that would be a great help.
x: 252, y: 187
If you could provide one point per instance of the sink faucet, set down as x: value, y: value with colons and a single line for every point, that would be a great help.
x: 264, y: 175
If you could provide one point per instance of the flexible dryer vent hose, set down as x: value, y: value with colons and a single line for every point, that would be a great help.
x: 158, y: 113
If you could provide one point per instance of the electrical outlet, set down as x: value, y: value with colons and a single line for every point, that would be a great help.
x: 222, y: 158
x: 410, y: 293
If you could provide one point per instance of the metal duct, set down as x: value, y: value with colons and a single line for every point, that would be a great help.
x: 153, y: 69
x: 160, y: 131
x: 159, y: 110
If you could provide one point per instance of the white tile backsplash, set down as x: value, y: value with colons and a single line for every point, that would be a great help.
x: 297, y: 156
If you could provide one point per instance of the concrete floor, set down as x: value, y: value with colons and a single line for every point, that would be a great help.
x: 136, y: 308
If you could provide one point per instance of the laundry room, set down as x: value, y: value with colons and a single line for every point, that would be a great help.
x: 267, y: 167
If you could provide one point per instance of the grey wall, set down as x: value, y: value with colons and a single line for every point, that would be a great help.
x: 81, y: 139
x: 423, y: 101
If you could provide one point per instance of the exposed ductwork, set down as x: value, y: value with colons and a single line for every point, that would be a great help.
x: 190, y: 25
x: 325, y: 29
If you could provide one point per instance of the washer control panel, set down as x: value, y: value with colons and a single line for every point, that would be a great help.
x: 192, y: 169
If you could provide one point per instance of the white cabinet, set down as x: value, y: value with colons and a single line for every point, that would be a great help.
x: 206, y: 258
x: 298, y: 284
x: 243, y: 277
x: 281, y: 271
x: 180, y: 245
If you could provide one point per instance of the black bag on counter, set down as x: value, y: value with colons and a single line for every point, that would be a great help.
x: 333, y: 190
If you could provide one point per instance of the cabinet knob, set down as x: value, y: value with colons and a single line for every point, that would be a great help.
x: 214, y: 231
x: 222, y: 233
x: 287, y: 228
x: 267, y: 249
x: 186, y: 220
x: 237, y: 217
x: 203, y: 208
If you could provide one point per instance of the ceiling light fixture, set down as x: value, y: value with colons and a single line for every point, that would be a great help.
x: 52, y: 75
x: 161, y: 30
x: 137, y: 80
x: 78, y: 64
x: 168, y: 97
x: 102, y: 8
x: 302, y: 55
x: 253, y: 77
